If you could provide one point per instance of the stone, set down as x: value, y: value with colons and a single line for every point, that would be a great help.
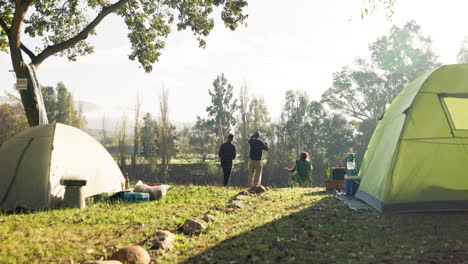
x: 132, y: 255
x: 162, y: 240
x: 244, y: 193
x: 193, y: 226
x: 209, y: 218
x: 224, y: 209
x: 102, y: 262
x: 258, y: 189
x: 237, y: 204
x: 241, y: 197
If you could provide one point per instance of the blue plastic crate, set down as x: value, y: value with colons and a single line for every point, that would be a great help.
x: 136, y: 197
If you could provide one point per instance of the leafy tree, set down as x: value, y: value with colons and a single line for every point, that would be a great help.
x: 363, y: 91
x: 202, y: 138
x: 253, y: 116
x: 12, y: 121
x: 60, y: 106
x: 365, y: 129
x: 50, y: 102
x: 244, y: 120
x: 373, y: 5
x: 136, y: 133
x: 291, y: 123
x: 222, y: 108
x: 358, y: 93
x: 105, y: 139
x: 64, y: 26
x: 122, y: 136
x: 260, y: 117
x: 79, y: 119
x: 404, y: 54
x: 307, y: 125
x: 63, y: 106
x: 183, y: 142
x: 462, y: 56
x: 166, y: 133
x: 148, y: 138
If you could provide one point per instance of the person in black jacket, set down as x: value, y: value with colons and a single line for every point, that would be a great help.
x: 227, y: 153
x: 255, y: 165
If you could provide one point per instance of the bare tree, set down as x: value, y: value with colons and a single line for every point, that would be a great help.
x: 166, y: 132
x: 244, y: 121
x: 136, y: 136
x: 123, y: 142
x: 80, y: 118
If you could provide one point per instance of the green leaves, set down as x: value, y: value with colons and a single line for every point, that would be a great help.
x: 363, y: 90
x: 222, y: 108
x: 372, y: 5
x: 6, y: 16
x: 149, y: 23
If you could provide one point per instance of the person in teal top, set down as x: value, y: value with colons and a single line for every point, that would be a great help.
x: 302, y: 167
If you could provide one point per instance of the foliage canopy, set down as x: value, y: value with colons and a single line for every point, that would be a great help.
x: 62, y: 27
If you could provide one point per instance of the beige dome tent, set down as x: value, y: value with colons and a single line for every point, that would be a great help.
x: 33, y: 162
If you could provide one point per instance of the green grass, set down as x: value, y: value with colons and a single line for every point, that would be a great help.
x: 287, y: 225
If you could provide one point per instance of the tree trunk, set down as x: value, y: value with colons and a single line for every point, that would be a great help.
x: 29, y: 99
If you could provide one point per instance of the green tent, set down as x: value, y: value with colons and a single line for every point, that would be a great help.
x: 417, y: 158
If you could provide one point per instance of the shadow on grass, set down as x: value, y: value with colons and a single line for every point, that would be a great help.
x: 292, y: 238
x: 99, y: 198
x: 314, y: 193
x: 328, y: 232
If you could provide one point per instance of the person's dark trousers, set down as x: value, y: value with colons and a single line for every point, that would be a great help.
x: 227, y: 175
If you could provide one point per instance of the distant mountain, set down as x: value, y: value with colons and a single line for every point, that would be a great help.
x: 88, y: 107
x: 95, y: 113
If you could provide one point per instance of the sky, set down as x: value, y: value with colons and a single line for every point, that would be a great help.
x: 298, y: 45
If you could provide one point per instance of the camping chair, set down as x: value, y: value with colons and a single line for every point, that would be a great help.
x: 295, y: 181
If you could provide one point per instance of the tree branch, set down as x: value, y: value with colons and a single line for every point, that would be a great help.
x: 31, y: 54
x: 23, y: 47
x: 51, y: 50
x: 5, y: 27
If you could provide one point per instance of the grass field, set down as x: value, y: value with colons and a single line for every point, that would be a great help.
x: 280, y: 226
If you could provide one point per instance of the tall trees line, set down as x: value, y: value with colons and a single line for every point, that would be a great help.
x: 342, y: 120
x: 60, y: 106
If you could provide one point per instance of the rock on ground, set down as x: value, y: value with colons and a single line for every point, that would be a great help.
x: 237, y: 203
x: 193, y: 226
x: 258, y: 189
x: 241, y: 197
x: 244, y: 193
x: 162, y: 240
x: 209, y: 218
x: 132, y: 255
x: 102, y: 262
x: 224, y: 209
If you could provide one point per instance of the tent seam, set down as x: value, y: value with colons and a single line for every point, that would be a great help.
x: 16, y: 171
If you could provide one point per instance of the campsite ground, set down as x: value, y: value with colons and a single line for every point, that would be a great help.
x: 299, y: 225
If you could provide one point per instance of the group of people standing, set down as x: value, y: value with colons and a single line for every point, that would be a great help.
x: 227, y: 153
